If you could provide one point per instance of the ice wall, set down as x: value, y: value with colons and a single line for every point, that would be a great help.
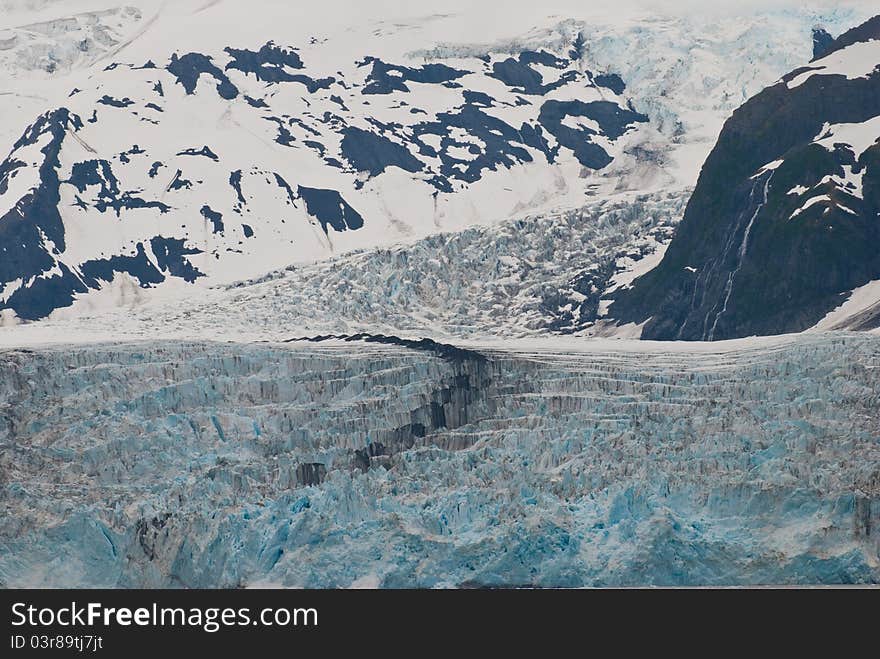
x: 351, y: 463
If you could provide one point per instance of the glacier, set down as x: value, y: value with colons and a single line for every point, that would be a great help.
x: 383, y: 462
x: 349, y: 377
x: 523, y: 277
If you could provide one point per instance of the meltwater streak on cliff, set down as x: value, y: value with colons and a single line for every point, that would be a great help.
x: 740, y: 255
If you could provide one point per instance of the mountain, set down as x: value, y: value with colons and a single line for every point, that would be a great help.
x: 783, y: 227
x: 533, y: 276
x: 297, y: 163
x: 177, y: 159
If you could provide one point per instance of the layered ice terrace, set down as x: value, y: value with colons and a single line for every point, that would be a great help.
x: 358, y: 463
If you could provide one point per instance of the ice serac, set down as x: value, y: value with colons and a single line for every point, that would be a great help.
x: 57, y: 46
x: 784, y: 222
x: 374, y: 459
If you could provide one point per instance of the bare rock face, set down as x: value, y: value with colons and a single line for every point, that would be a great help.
x: 785, y: 219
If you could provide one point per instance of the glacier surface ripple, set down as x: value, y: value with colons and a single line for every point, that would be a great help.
x: 338, y: 464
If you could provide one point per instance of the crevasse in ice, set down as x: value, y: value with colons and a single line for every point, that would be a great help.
x: 350, y: 463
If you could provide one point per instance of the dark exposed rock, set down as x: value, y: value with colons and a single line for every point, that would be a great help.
x: 373, y: 153
x: 745, y: 260
x: 214, y: 217
x: 170, y: 255
x: 611, y: 81
x: 235, y: 182
x: 256, y: 102
x: 331, y: 209
x: 822, y: 43
x: 271, y: 64
x: 204, y: 151
x: 519, y: 74
x: 284, y: 185
x: 33, y: 220
x: 178, y: 182
x: 138, y: 266
x: 504, y: 144
x: 116, y: 103
x: 613, y: 121
x: 284, y: 137
x: 190, y: 67
x: 443, y: 350
x: 388, y: 78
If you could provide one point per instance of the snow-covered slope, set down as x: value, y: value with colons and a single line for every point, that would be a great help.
x: 196, y: 146
x: 45, y: 45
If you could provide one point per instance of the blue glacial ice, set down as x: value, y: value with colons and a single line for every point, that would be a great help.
x: 338, y: 464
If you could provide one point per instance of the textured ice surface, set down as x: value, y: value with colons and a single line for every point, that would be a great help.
x: 332, y: 464
x: 522, y: 277
x: 64, y: 43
